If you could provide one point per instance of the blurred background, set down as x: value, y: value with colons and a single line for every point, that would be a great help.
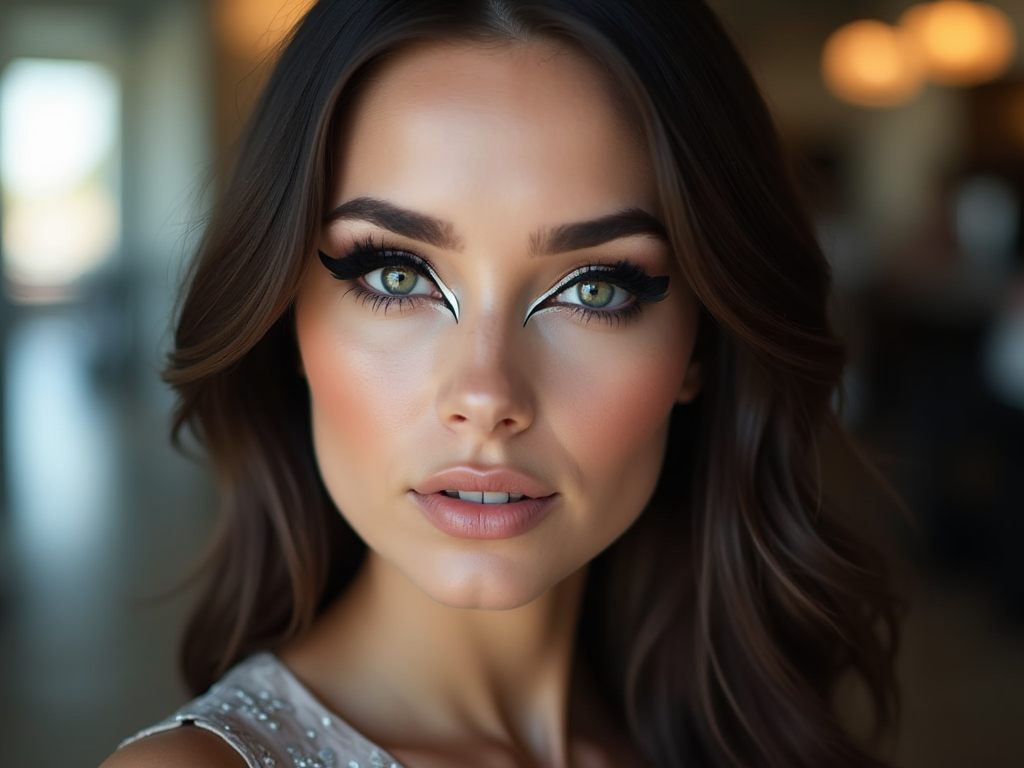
x: 113, y: 115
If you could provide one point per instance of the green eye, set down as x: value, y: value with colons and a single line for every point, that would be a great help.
x: 595, y: 294
x: 396, y: 281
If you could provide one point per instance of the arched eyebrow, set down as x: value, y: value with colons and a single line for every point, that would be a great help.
x: 590, y: 234
x: 401, y: 221
x: 560, y: 239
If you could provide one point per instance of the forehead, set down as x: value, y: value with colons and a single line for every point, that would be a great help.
x: 513, y: 124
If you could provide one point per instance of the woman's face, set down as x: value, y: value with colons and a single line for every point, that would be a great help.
x: 491, y: 315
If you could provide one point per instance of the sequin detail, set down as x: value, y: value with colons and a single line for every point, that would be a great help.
x: 264, y: 707
x: 324, y: 759
x: 267, y: 715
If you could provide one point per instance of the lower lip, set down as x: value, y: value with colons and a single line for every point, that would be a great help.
x: 469, y: 520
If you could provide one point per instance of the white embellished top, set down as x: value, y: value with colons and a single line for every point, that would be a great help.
x: 273, y: 721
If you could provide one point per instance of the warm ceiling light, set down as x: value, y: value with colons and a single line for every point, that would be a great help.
x: 249, y: 27
x: 872, y: 64
x: 963, y: 43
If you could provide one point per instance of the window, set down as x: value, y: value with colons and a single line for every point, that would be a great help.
x: 59, y: 173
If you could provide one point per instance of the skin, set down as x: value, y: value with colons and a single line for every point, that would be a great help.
x: 449, y: 651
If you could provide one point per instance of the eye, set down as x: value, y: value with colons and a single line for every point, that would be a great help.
x: 404, y: 277
x: 398, y: 280
x: 594, y: 294
x: 611, y: 292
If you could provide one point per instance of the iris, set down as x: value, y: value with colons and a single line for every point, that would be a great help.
x: 595, y: 294
x: 399, y: 280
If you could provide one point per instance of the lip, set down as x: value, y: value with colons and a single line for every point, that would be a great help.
x: 469, y: 520
x: 488, y: 479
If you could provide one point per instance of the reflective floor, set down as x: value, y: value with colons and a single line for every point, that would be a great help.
x: 102, y: 517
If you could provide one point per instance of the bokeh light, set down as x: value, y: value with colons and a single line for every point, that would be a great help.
x: 872, y: 64
x: 962, y: 43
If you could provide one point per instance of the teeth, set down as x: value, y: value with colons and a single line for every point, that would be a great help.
x: 485, y: 497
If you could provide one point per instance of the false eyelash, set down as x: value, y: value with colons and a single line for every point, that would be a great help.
x: 611, y: 317
x: 365, y: 257
x: 378, y: 301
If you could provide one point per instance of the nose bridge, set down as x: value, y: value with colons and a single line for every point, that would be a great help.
x: 482, y: 388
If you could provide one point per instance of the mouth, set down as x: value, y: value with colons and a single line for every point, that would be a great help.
x: 484, y: 502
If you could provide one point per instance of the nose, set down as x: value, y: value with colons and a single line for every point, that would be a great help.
x: 484, y: 392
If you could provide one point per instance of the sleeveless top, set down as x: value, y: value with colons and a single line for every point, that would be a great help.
x: 273, y: 721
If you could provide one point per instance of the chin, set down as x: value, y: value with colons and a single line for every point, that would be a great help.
x: 486, y: 582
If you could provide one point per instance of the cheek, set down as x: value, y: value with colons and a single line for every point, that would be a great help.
x: 365, y: 381
x: 615, y: 398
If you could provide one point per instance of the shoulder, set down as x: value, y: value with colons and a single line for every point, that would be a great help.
x: 184, y: 747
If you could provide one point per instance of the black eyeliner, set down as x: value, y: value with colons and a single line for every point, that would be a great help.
x: 363, y: 260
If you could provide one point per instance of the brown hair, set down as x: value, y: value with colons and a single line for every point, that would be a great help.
x: 721, y: 623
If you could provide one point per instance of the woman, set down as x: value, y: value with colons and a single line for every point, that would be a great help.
x: 522, y: 289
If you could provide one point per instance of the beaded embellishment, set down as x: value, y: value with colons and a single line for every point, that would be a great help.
x: 273, y: 721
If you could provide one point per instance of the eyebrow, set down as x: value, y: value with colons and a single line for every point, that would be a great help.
x: 589, y: 234
x: 401, y: 221
x: 560, y: 239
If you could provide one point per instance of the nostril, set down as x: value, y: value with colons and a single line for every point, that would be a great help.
x: 462, y: 408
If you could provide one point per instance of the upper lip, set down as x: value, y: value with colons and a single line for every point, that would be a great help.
x: 487, y: 479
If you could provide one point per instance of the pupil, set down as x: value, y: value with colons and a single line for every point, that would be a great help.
x: 399, y: 280
x: 596, y: 294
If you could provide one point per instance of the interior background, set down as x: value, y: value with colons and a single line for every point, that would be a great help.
x: 100, y: 517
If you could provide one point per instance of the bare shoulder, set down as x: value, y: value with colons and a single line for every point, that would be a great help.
x: 184, y: 747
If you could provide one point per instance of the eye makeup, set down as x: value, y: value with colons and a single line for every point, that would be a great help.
x: 624, y: 274
x: 366, y: 257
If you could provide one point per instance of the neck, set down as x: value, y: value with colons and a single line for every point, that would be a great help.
x: 406, y: 670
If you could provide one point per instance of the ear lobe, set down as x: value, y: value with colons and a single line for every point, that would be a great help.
x: 692, y: 382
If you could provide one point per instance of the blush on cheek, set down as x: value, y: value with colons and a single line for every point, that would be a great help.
x: 362, y: 392
x: 357, y: 360
x: 343, y: 420
x: 366, y: 385
x: 619, y: 417
x: 610, y: 403
x: 612, y: 400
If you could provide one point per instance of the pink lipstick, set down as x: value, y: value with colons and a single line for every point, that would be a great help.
x: 483, y: 502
